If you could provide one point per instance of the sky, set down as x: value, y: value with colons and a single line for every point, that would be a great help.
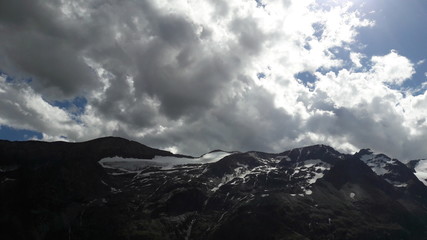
x: 197, y: 75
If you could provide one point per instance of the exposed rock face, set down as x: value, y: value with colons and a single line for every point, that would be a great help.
x: 112, y: 188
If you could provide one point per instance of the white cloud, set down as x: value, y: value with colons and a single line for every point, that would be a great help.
x: 368, y: 113
x: 392, y: 68
x: 356, y: 58
x: 23, y: 108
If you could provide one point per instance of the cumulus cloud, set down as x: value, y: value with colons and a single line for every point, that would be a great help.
x: 23, y: 108
x: 356, y: 57
x: 392, y: 68
x: 183, y: 75
x: 367, y: 112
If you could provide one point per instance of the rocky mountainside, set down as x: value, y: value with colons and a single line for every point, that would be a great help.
x: 113, y: 188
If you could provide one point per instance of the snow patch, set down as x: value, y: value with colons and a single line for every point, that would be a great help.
x: 239, y: 172
x: 396, y: 183
x: 169, y: 162
x: 315, y: 167
x: 379, y: 170
x: 365, y: 158
x: 212, y: 157
x: 421, y: 171
x: 115, y: 190
x: 402, y: 185
x: 378, y: 163
x: 265, y: 160
x: 312, y: 162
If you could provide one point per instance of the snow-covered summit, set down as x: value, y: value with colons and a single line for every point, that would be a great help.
x: 379, y: 163
x: 392, y: 170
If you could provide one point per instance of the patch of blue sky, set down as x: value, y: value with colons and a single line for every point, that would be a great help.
x: 318, y: 30
x: 341, y: 54
x: 260, y: 4
x: 75, y: 107
x: 399, y: 25
x: 307, y: 78
x: 4, y: 74
x: 261, y: 75
x: 14, y: 134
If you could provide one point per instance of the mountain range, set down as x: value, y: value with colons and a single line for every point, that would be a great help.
x: 114, y: 188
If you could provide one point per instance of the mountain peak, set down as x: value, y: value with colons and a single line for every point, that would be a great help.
x: 312, y: 192
x: 365, y: 151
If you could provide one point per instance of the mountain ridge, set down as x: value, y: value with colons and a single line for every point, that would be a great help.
x: 119, y: 189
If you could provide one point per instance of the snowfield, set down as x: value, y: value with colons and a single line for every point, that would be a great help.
x: 136, y: 164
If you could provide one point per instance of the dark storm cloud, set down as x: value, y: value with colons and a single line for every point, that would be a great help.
x: 161, y: 52
x: 40, y: 43
x: 58, y: 70
x: 181, y: 92
x: 246, y: 122
x: 174, y: 30
x: 27, y: 13
x: 36, y: 43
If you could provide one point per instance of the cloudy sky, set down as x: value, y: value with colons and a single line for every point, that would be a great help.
x: 196, y: 75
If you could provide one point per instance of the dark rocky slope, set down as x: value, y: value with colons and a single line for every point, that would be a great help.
x: 60, y: 191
